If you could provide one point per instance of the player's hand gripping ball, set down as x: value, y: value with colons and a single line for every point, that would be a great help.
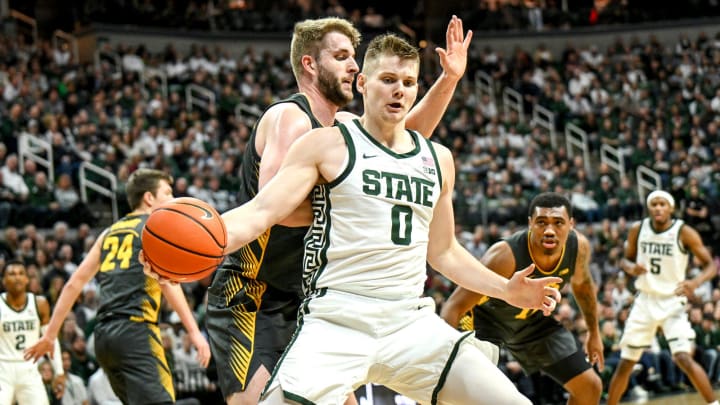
x: 184, y: 239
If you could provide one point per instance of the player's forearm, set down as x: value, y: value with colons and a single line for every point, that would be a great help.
x: 458, y: 265
x: 453, y: 309
x: 709, y: 272
x: 176, y: 298
x: 428, y: 112
x: 585, y: 298
x: 64, y: 304
x: 628, y: 266
x: 243, y: 226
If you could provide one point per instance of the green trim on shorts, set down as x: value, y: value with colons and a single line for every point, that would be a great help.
x: 446, y: 369
x: 297, y: 398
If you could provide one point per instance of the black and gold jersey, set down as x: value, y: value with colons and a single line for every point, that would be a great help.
x: 499, y: 322
x: 276, y: 257
x: 125, y: 291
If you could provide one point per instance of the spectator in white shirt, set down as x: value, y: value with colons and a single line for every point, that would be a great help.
x: 14, y: 180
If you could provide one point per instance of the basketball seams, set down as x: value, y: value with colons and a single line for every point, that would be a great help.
x: 205, y: 228
x: 180, y: 276
x: 175, y: 245
x: 214, y: 212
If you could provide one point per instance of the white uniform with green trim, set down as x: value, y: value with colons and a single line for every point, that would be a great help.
x: 370, y: 230
x: 656, y: 304
x: 19, y: 378
x: 365, y: 267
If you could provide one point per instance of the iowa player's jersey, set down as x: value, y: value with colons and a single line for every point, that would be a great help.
x: 125, y: 291
x: 20, y: 329
x: 499, y: 322
x: 663, y: 256
x: 390, y: 197
x: 275, y: 257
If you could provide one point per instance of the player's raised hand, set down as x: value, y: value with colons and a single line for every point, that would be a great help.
x: 533, y: 293
x: 453, y: 58
x: 43, y: 346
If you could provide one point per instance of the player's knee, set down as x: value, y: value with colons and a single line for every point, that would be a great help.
x: 586, y: 387
x: 683, y: 360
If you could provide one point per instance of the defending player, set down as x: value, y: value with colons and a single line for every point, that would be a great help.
x: 540, y: 343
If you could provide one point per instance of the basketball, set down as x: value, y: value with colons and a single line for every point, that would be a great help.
x: 184, y: 239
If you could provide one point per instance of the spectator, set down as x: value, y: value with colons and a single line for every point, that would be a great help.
x: 75, y: 393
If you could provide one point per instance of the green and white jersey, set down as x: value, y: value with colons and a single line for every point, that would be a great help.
x: 370, y: 229
x: 20, y: 328
x: 663, y: 256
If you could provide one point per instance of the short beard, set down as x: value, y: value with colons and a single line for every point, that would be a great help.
x: 331, y: 88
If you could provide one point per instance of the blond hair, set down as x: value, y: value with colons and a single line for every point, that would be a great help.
x: 308, y: 35
x: 388, y: 44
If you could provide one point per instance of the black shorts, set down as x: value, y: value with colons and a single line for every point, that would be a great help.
x: 557, y: 355
x: 243, y: 338
x: 133, y: 358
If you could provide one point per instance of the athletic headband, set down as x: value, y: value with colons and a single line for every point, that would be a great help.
x: 661, y: 194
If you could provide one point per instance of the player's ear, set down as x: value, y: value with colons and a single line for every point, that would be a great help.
x: 148, y: 198
x: 308, y: 63
x: 360, y: 83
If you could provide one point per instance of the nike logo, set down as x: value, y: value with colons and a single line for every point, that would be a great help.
x: 366, y: 156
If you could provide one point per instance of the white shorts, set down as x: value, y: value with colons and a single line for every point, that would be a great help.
x: 21, y: 380
x: 650, y: 312
x: 345, y: 341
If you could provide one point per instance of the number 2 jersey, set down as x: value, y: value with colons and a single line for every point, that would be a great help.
x: 498, y: 322
x: 663, y: 256
x: 370, y: 225
x: 20, y: 329
x: 125, y: 291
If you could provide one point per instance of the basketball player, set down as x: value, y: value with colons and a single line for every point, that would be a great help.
x: 255, y: 294
x: 382, y: 206
x: 23, y: 316
x: 656, y: 254
x: 127, y: 339
x: 537, y: 342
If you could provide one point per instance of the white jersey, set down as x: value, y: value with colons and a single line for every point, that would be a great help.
x: 20, y: 329
x: 370, y: 229
x: 663, y: 256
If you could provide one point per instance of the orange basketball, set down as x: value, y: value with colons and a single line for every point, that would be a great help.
x: 184, y: 239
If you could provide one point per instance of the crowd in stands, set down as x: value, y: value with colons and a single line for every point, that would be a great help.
x: 658, y: 103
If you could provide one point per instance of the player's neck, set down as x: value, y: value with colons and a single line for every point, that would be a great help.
x: 390, y: 134
x: 16, y: 301
x: 141, y: 210
x: 322, y: 108
x: 658, y: 226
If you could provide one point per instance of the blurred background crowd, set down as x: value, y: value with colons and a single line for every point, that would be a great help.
x: 656, y: 102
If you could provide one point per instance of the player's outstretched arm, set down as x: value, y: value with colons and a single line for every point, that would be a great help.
x: 176, y: 298
x: 428, y: 112
x: 498, y: 258
x: 585, y: 291
x: 84, y: 273
x: 448, y: 257
x: 300, y: 171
